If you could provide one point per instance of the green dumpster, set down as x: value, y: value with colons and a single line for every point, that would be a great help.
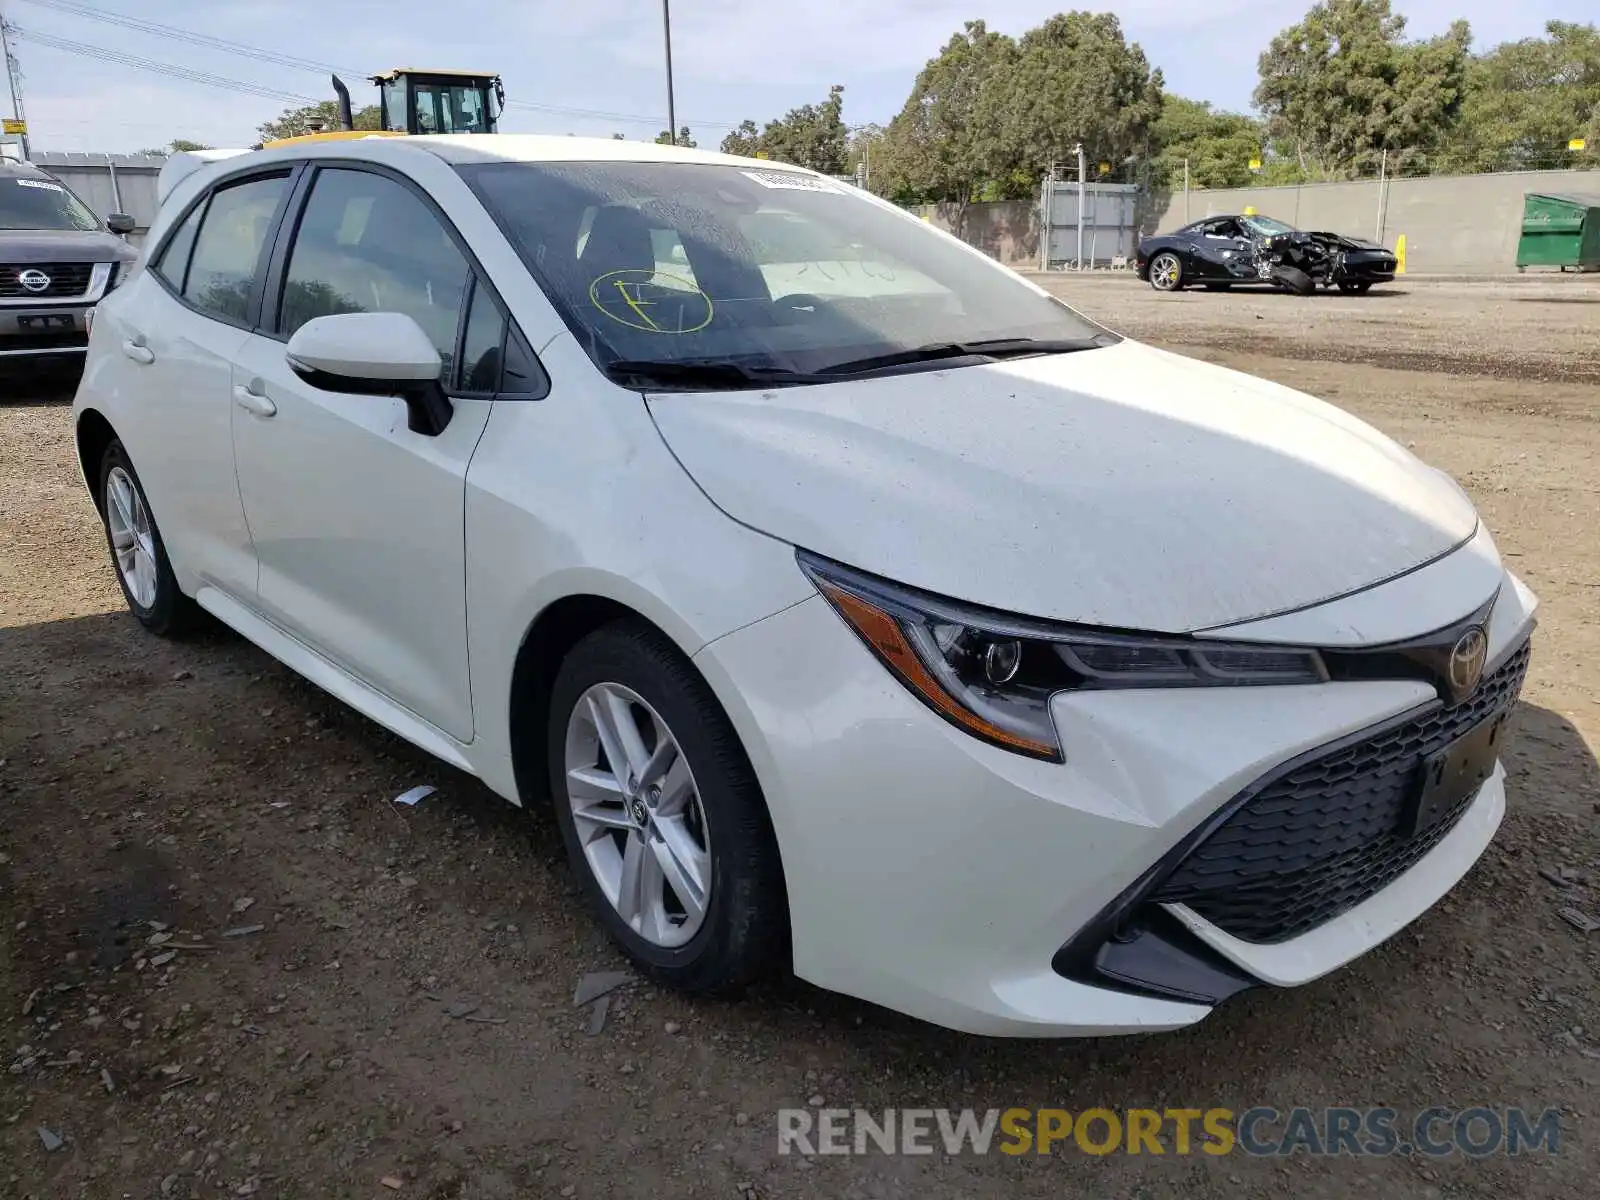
x: 1560, y: 231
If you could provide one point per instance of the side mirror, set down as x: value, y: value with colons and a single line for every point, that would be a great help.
x: 374, y: 354
x: 121, y: 223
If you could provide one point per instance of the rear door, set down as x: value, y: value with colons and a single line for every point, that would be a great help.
x: 358, y: 521
x: 176, y: 328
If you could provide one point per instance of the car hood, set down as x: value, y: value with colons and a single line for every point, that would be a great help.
x: 1348, y: 242
x: 64, y: 245
x: 1124, y: 486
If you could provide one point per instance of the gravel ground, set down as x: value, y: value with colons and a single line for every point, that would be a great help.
x: 156, y: 797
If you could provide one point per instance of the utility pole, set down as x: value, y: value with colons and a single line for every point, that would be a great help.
x: 666, y: 30
x: 1383, y: 184
x: 1186, y: 191
x: 1082, y: 190
x: 14, y: 76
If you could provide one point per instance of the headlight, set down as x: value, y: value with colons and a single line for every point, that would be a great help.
x: 993, y: 675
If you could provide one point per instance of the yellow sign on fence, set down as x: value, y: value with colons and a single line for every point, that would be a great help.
x: 762, y: 154
x: 1400, y: 255
x: 1255, y: 164
x: 1574, y: 144
x: 13, y: 128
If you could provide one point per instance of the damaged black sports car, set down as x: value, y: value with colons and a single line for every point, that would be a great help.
x: 1222, y: 252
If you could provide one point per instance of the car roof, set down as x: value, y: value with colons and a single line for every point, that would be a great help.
x: 12, y: 167
x: 457, y: 149
x: 534, y: 147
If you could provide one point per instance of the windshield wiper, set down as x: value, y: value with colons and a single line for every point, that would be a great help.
x: 703, y: 374
x: 993, y: 348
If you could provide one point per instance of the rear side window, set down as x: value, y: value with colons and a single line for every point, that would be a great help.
x: 227, y: 252
x: 368, y: 244
x: 173, y: 264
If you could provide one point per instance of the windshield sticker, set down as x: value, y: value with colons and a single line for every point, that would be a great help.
x: 791, y: 180
x: 39, y: 183
x: 652, y: 301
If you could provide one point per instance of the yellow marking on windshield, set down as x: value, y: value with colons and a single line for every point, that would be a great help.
x: 694, y: 309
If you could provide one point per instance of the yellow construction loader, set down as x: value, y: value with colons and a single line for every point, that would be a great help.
x: 414, y: 101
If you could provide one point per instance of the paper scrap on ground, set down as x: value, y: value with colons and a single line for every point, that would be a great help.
x: 596, y: 984
x: 416, y: 794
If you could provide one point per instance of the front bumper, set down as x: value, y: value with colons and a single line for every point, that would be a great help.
x: 939, y: 876
x: 46, y: 330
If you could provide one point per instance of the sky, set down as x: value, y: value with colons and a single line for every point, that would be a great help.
x: 732, y: 59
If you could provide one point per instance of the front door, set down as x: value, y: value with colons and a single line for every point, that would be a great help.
x: 357, y: 521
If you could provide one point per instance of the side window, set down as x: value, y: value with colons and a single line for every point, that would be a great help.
x: 368, y: 244
x: 173, y: 264
x: 481, y: 344
x: 523, y: 376
x: 227, y: 251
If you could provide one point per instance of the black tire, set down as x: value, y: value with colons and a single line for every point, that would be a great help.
x: 170, y: 613
x: 745, y: 932
x: 1293, y: 279
x: 1356, y: 287
x: 1166, y: 272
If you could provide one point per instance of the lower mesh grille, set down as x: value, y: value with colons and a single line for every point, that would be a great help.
x: 1325, y: 835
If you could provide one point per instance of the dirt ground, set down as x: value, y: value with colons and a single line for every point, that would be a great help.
x: 156, y: 796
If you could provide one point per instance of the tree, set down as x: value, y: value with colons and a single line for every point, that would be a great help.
x: 292, y: 122
x: 1344, y: 85
x: 743, y: 141
x: 1217, y: 146
x: 1075, y: 80
x: 813, y: 135
x: 1525, y: 100
x: 944, y: 143
x: 664, y: 138
x: 176, y: 146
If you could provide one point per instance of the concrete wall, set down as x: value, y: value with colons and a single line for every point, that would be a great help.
x: 1007, y: 230
x: 1458, y: 225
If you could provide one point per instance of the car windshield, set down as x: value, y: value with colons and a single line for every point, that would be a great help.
x: 741, y: 269
x: 42, y: 204
x: 1267, y: 226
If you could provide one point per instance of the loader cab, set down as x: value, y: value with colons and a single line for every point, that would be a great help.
x: 421, y: 102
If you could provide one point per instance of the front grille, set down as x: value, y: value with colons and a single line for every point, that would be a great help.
x: 1318, y: 839
x: 67, y: 280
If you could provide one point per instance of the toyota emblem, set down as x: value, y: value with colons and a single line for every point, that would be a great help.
x: 34, y: 280
x: 1466, y: 660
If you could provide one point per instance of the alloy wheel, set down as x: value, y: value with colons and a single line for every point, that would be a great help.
x: 638, y: 815
x: 1165, y: 271
x: 132, y: 539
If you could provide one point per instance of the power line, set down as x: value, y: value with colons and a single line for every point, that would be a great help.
x: 155, y: 66
x: 259, y: 54
x: 174, y: 33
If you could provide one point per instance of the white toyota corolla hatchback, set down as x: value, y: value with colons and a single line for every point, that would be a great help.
x: 858, y: 606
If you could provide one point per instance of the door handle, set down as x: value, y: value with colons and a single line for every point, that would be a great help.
x: 253, y: 402
x: 135, y: 349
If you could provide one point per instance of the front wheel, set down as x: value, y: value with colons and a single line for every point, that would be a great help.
x: 661, y: 814
x: 1166, y: 272
x: 137, y: 551
x: 1293, y: 279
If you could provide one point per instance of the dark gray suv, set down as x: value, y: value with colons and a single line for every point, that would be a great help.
x: 56, y: 262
